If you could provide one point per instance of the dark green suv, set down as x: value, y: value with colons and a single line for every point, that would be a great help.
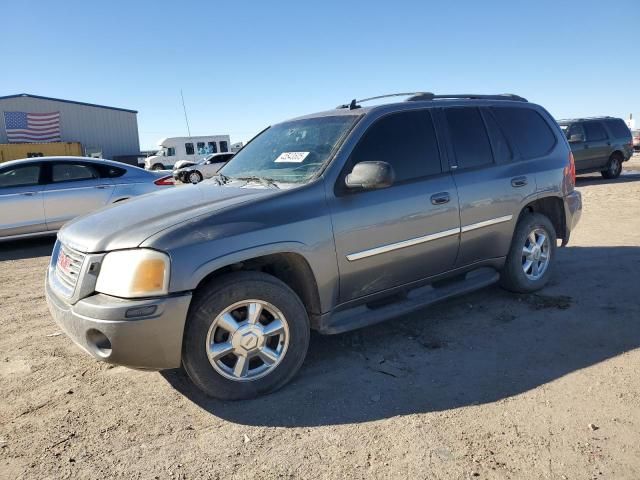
x: 599, y: 144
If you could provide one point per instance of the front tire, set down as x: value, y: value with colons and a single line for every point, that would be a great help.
x: 614, y: 167
x: 157, y: 166
x: 247, y: 334
x: 195, y: 177
x: 531, y: 258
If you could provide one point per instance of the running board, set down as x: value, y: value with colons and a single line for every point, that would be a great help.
x: 369, y: 314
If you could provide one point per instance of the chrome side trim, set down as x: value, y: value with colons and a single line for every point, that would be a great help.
x: 486, y: 223
x: 405, y: 243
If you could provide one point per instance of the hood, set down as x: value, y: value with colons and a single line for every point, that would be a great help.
x: 183, y: 164
x: 128, y: 224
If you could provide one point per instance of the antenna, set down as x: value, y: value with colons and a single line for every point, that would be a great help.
x: 186, y: 119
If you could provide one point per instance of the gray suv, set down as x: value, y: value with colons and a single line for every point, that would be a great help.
x: 331, y: 221
x: 599, y: 144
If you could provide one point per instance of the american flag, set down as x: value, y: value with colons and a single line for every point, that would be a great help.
x: 23, y: 127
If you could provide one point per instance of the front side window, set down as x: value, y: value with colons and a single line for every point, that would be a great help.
x: 171, y: 152
x: 527, y: 130
x: 595, y: 131
x: 469, y: 137
x: 189, y: 148
x: 22, y: 176
x: 71, y: 172
x: 224, y: 147
x: 213, y: 147
x: 291, y: 151
x: 575, y: 129
x: 406, y: 141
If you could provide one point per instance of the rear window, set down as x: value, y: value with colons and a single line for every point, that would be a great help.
x: 526, y: 130
x: 618, y: 128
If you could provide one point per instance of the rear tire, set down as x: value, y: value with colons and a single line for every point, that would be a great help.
x: 531, y: 258
x: 614, y: 167
x: 223, y: 307
x: 157, y: 166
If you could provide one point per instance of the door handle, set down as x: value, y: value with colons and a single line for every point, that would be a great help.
x: 518, y: 182
x: 440, y: 198
x: 102, y: 187
x: 28, y: 194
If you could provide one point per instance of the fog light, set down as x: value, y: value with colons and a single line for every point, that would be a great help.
x: 99, y: 342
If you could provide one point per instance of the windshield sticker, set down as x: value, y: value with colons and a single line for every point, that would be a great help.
x: 291, y: 157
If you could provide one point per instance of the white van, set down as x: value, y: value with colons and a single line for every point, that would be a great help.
x: 192, y: 149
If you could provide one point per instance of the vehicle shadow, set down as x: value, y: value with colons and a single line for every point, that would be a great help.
x: 597, y: 179
x: 26, y: 248
x: 481, y: 348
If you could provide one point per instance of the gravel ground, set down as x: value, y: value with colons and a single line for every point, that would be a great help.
x: 490, y: 385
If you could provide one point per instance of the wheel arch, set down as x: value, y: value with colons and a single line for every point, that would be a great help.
x: 290, y: 267
x: 553, y: 208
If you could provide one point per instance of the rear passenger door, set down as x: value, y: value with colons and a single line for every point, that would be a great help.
x: 409, y: 231
x: 74, y: 188
x: 598, y: 145
x: 491, y: 185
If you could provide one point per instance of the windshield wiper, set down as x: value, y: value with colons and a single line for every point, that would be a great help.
x: 267, y: 182
x: 221, y: 179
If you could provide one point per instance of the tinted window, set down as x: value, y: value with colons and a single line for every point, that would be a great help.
x: 171, y: 152
x: 201, y: 150
x: 469, y: 137
x: 69, y: 172
x: 595, y: 131
x: 501, y: 149
x: 575, y: 129
x: 213, y: 147
x: 21, y: 176
x: 407, y: 141
x: 109, y: 171
x: 526, y: 130
x: 189, y: 148
x: 618, y: 128
x: 223, y: 146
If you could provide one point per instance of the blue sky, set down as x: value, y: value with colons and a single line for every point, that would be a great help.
x: 243, y: 65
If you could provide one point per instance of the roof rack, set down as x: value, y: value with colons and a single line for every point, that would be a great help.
x: 425, y: 96
x: 579, y: 119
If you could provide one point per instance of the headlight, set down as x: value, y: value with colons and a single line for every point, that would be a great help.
x: 134, y: 273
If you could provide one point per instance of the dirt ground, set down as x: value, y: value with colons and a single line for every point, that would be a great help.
x: 490, y: 385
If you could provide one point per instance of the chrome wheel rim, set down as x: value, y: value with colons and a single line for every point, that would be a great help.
x: 247, y: 340
x: 536, y: 254
x: 194, y: 177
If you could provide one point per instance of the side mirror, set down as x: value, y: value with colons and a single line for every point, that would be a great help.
x: 576, y: 137
x: 371, y: 175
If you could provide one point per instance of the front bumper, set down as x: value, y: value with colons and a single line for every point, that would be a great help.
x: 103, y: 326
x: 572, y: 213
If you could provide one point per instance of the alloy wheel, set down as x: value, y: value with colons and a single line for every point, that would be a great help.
x: 247, y: 340
x: 536, y: 254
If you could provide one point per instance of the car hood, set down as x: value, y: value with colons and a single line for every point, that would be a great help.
x: 128, y: 224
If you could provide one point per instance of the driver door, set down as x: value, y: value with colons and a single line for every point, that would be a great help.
x: 409, y: 231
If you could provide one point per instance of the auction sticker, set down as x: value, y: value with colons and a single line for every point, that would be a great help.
x: 291, y: 157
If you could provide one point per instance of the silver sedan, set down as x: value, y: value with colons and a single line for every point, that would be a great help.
x: 38, y: 195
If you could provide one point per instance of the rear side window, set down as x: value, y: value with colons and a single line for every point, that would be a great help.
x: 618, y: 128
x: 213, y: 147
x: 406, y: 141
x: 501, y: 149
x: 223, y: 146
x: 71, y: 172
x: 189, y: 148
x: 108, y: 171
x: 595, y: 131
x: 527, y: 130
x: 22, y: 176
x: 469, y: 137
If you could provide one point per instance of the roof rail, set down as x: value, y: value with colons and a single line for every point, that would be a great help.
x: 470, y: 96
x: 423, y: 96
x: 579, y: 119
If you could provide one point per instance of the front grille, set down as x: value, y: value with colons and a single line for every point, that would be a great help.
x: 68, y: 266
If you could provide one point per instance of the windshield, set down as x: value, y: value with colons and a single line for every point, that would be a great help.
x: 291, y: 151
